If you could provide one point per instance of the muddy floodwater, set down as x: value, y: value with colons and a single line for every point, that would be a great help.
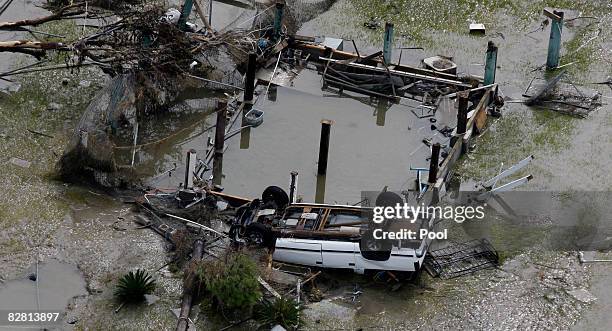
x: 48, y: 286
x: 84, y: 239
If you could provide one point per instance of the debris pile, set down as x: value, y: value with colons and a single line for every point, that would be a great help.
x: 561, y: 95
x: 461, y: 259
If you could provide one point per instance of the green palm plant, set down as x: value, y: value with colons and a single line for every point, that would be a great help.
x: 132, y: 287
x: 283, y: 311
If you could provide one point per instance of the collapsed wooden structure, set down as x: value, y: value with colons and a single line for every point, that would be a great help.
x: 372, y: 76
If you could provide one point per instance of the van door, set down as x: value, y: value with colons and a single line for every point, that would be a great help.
x: 298, y: 251
x: 338, y: 254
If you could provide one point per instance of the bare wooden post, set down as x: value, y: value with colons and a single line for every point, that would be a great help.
x: 433, y: 165
x: 190, y: 165
x: 183, y: 321
x: 249, y: 90
x: 249, y: 87
x: 219, y: 143
x: 462, y: 112
x: 293, y: 187
x: 381, y: 111
x: 322, y: 166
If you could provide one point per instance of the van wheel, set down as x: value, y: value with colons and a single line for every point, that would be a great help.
x: 388, y: 199
x: 277, y: 195
x: 257, y: 234
x: 373, y: 249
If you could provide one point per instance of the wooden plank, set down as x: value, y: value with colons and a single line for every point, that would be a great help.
x: 268, y: 287
x: 448, y: 163
x: 233, y: 200
x: 480, y: 121
x: 402, y: 74
x: 244, y: 4
x: 342, y: 55
x: 551, y: 15
x: 482, y: 107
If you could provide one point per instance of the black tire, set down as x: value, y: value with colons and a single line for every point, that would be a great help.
x: 277, y: 195
x: 388, y: 199
x: 374, y: 249
x: 258, y: 234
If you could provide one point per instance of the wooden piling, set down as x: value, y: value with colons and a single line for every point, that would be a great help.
x: 249, y: 84
x: 187, y: 8
x: 320, y: 190
x: 433, y: 165
x: 210, y: 8
x: 462, y: 112
x: 219, y: 143
x: 324, y: 146
x: 490, y: 64
x: 190, y: 165
x: 183, y: 321
x: 278, y: 18
x: 323, y: 156
x: 554, y: 42
x: 249, y: 90
x: 388, y: 45
x: 293, y: 187
x: 381, y: 111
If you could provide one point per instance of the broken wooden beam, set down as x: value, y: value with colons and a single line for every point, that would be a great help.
x: 268, y: 287
x: 62, y: 13
x: 183, y: 320
x: 27, y: 44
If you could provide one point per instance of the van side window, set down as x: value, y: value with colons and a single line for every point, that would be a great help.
x: 338, y: 219
x: 291, y: 219
x: 311, y: 219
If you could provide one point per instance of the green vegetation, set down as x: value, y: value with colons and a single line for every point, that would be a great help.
x: 132, y: 287
x: 231, y: 281
x: 283, y: 311
x: 418, y: 18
